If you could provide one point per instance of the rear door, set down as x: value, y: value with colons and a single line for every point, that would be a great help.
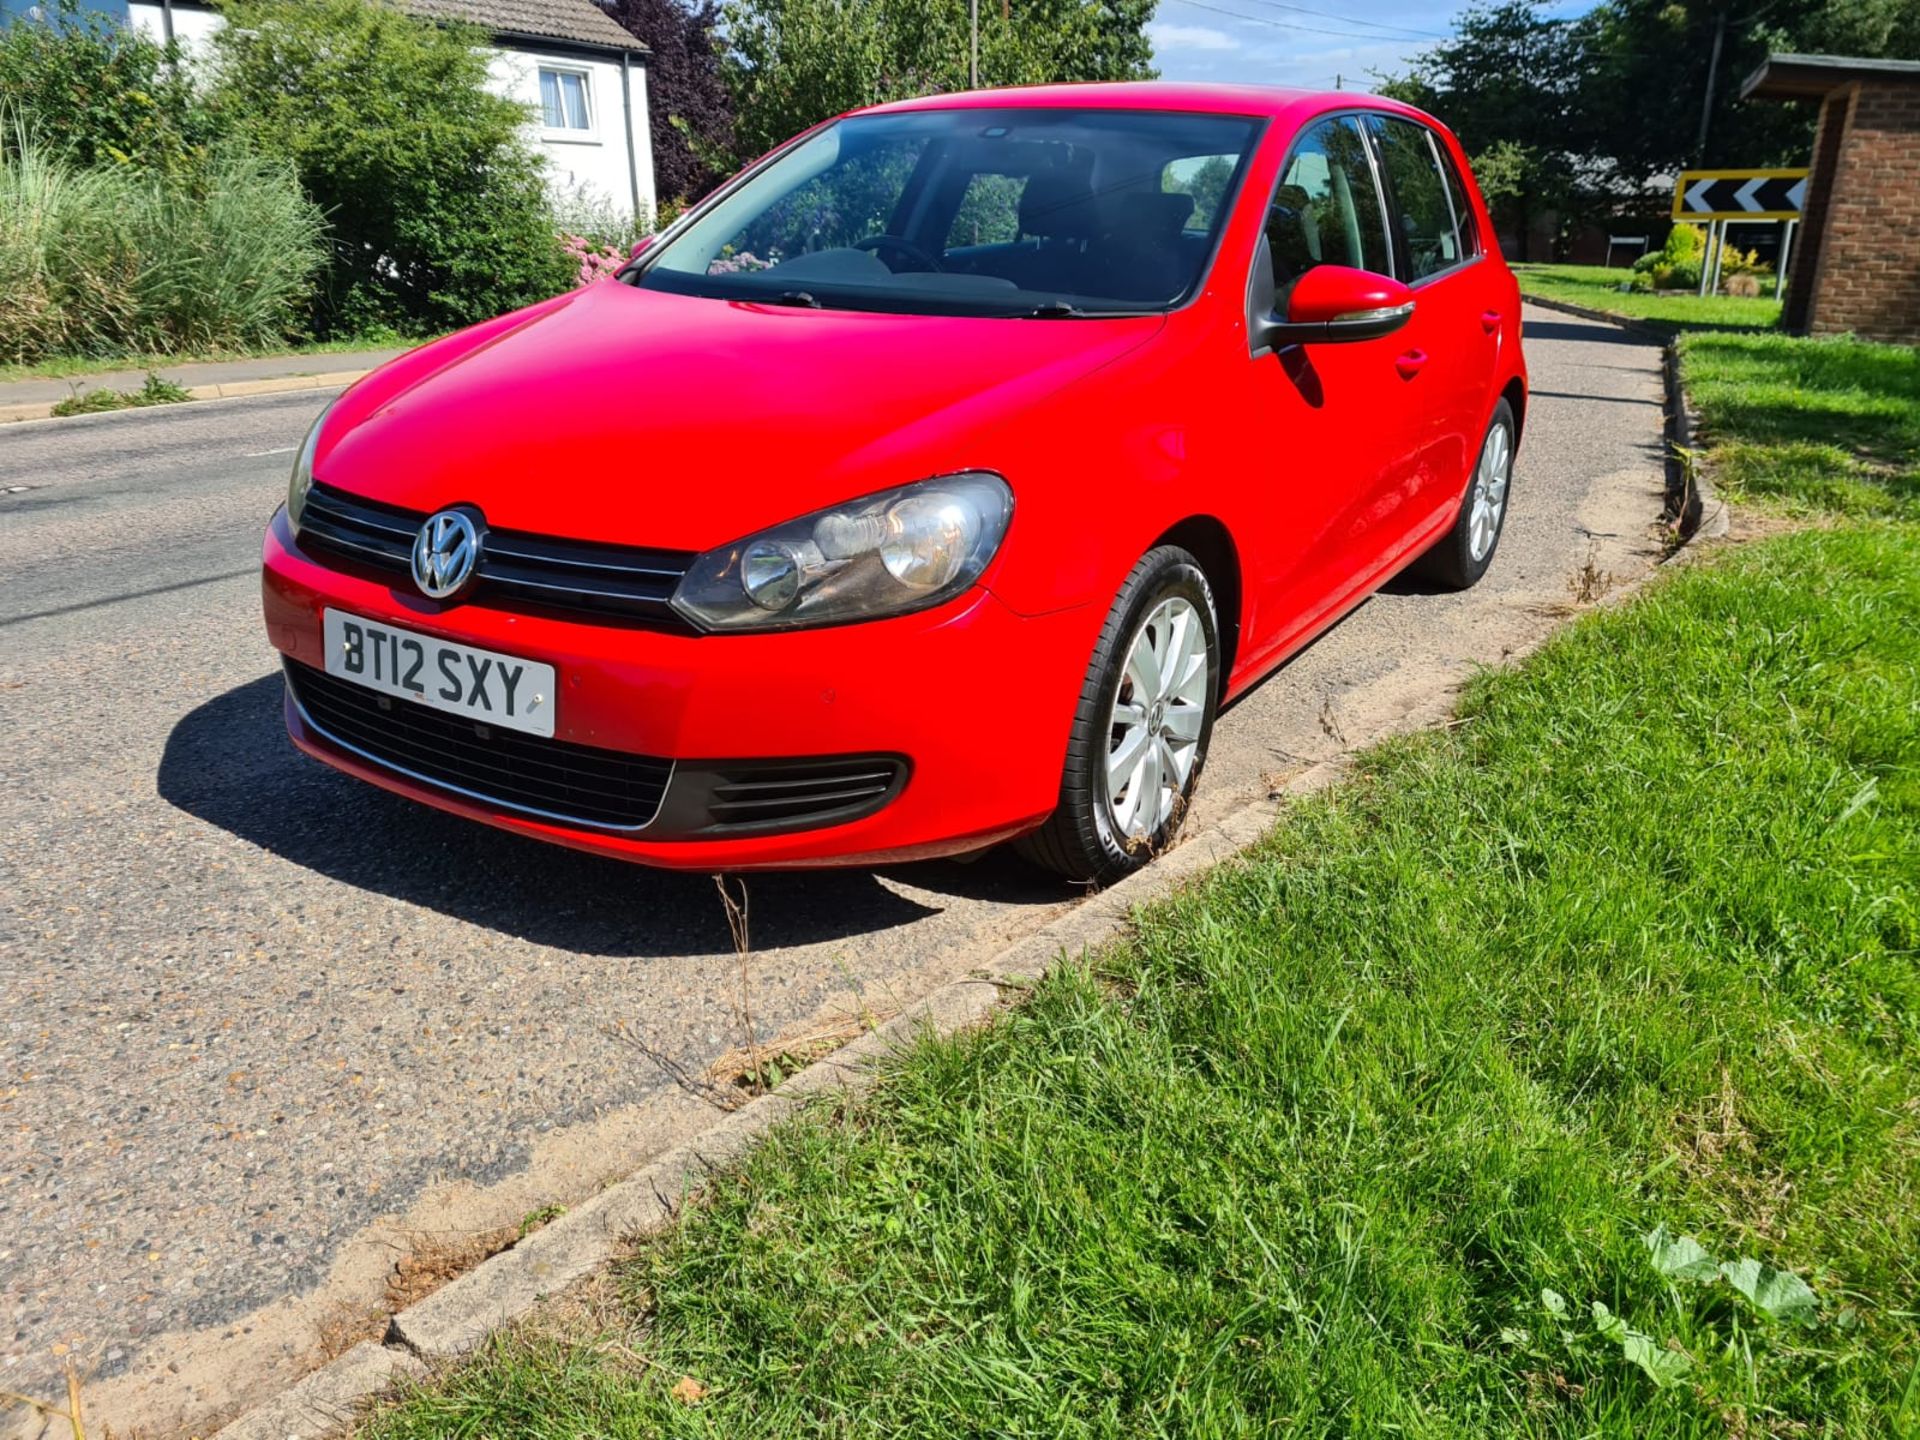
x: 1445, y: 352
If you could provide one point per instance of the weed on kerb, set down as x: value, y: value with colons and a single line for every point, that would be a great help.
x: 158, y: 390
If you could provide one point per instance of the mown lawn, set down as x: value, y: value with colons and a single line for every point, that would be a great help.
x: 1559, y: 1075
x: 1598, y: 287
x: 1809, y: 426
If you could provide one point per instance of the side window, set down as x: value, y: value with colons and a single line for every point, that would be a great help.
x: 989, y: 212
x: 1205, y: 177
x: 1326, y: 210
x: 1425, y: 214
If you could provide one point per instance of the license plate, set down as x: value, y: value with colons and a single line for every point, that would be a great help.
x: 464, y: 680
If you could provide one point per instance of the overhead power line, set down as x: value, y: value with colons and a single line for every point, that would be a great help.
x: 1402, y: 32
x: 1288, y: 24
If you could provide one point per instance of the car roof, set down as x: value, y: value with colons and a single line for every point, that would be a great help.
x: 1258, y: 100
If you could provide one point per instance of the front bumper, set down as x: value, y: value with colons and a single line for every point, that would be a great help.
x: 975, y: 700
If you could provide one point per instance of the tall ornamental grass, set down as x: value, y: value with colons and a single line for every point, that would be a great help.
x: 218, y: 254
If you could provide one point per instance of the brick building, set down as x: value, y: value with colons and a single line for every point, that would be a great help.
x: 1856, y: 263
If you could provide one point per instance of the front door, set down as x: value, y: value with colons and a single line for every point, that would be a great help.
x: 1333, y: 429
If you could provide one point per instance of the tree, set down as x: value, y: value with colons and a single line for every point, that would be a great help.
x: 692, y: 111
x: 438, y: 207
x: 797, y: 62
x: 1648, y: 64
x: 1509, y: 85
x: 1605, y: 102
x: 98, y: 93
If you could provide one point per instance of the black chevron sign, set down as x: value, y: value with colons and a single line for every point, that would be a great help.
x: 1739, y: 195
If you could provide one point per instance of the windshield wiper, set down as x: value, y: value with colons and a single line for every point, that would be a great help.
x: 795, y: 297
x: 1054, y: 310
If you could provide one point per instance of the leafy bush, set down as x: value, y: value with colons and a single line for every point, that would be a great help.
x: 437, y: 204
x: 1676, y: 264
x: 216, y: 252
x: 96, y: 92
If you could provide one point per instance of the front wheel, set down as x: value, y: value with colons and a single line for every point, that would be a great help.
x: 1462, y: 555
x: 1140, y: 734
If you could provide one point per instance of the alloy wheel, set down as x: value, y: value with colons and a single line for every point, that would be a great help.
x: 1159, y: 711
x: 1489, y: 498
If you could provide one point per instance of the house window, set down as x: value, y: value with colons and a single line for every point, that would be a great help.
x: 564, y: 101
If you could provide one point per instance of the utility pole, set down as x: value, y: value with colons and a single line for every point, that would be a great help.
x: 973, y: 48
x: 1713, y: 74
x: 1337, y: 78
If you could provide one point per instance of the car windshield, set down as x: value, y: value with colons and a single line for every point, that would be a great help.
x: 1015, y: 212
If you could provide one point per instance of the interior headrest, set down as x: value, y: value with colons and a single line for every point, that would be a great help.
x: 1153, y: 214
x: 1058, y: 204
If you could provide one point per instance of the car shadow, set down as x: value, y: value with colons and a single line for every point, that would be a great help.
x: 229, y: 762
x: 1590, y: 331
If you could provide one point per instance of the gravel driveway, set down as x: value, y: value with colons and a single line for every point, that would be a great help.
x: 268, y: 1030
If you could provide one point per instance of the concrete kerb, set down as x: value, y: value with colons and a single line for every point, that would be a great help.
x: 451, y: 1323
x: 1691, y: 501
x: 455, y: 1320
x: 232, y: 389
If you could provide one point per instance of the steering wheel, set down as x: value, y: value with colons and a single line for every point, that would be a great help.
x: 902, y: 247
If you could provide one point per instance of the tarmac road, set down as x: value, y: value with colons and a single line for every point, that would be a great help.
x: 266, y: 1027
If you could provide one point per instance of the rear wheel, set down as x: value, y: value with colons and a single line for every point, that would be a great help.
x: 1140, y: 735
x: 1462, y: 555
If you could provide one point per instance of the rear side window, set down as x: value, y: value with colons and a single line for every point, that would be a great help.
x: 1424, y: 214
x: 989, y: 212
x: 1463, y: 222
x: 1204, y: 177
x: 1326, y: 209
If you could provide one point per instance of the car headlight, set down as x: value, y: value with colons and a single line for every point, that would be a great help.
x: 301, y: 481
x: 884, y: 554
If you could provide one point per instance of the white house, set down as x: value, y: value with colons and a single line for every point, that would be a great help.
x: 584, y: 75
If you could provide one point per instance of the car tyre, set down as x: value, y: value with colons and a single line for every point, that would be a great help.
x: 1165, y: 606
x: 1463, y: 554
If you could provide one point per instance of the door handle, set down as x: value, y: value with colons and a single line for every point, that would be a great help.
x: 1489, y: 320
x: 1410, y: 363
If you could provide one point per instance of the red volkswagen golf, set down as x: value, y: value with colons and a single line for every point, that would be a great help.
x: 931, y: 485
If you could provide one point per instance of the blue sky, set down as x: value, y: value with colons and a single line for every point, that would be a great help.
x: 1307, y: 43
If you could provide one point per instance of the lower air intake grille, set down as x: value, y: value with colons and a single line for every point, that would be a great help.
x: 738, y: 797
x: 550, y: 779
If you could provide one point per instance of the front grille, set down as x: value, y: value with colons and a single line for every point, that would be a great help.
x: 552, y: 779
x: 539, y: 570
x: 741, y: 797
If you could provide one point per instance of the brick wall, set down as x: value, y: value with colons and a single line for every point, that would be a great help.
x: 1865, y: 269
x: 1803, y: 274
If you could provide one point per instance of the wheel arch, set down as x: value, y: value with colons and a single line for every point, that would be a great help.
x: 1209, y: 541
x: 1515, y: 394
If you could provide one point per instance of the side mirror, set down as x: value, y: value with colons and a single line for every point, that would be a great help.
x: 1336, y: 302
x: 639, y: 246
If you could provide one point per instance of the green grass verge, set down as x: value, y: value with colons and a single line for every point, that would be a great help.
x: 1355, y: 1137
x: 1809, y: 426
x: 1598, y: 288
x: 73, y: 367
